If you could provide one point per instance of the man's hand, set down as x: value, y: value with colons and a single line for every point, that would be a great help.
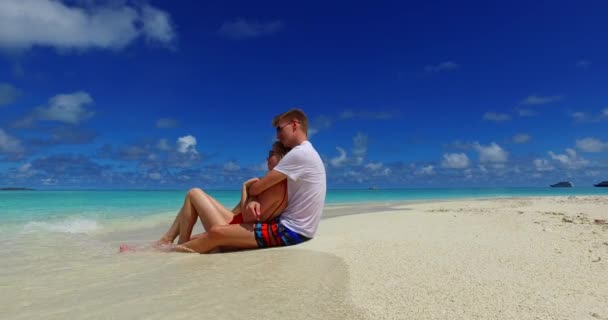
x: 252, y: 211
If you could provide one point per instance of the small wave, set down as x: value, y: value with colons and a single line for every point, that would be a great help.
x: 72, y: 225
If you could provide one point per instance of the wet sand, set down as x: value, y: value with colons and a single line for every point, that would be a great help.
x: 520, y: 258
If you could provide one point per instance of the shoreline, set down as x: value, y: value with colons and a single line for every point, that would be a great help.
x: 330, y: 211
x: 497, y: 258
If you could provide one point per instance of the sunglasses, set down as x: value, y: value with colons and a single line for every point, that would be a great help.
x: 279, y: 128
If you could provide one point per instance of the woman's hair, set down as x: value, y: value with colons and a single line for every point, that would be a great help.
x: 279, y: 150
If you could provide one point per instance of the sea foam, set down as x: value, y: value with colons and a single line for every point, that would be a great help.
x: 70, y: 225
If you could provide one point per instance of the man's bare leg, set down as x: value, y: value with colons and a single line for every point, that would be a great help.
x: 234, y: 236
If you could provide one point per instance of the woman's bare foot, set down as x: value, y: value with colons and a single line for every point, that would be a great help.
x: 126, y: 248
x: 164, y: 241
x: 157, y: 246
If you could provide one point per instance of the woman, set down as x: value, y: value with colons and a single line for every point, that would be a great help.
x: 199, y: 204
x: 272, y: 201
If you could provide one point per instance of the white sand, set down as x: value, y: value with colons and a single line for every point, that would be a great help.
x: 525, y: 258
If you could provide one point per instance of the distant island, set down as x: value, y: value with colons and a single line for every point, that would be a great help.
x: 16, y: 189
x: 563, y: 184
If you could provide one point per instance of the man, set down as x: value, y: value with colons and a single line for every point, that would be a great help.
x: 306, y: 187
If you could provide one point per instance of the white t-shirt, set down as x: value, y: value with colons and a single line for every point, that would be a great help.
x: 306, y: 187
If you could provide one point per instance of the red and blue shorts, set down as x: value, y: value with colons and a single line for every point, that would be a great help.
x: 274, y: 234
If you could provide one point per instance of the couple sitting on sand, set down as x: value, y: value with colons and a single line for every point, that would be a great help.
x: 283, y: 208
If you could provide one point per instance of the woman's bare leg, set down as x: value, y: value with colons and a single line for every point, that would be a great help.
x: 173, y: 231
x: 203, y: 206
x: 196, y: 204
x: 187, y: 220
x: 208, y: 209
x: 228, y: 214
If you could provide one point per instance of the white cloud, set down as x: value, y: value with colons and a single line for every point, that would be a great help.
x: 261, y: 167
x: 570, y: 159
x: 66, y: 108
x: 28, y: 23
x: 359, y: 152
x: 526, y: 112
x: 377, y: 169
x: 455, y: 161
x: 231, y: 166
x: 498, y: 117
x: 347, y: 114
x: 157, y: 25
x: 537, y: 100
x: 166, y: 123
x: 580, y: 116
x: 521, y: 138
x: 542, y: 165
x: 318, y: 124
x: 426, y: 170
x: 163, y: 145
x: 360, y: 147
x: 444, y: 66
x: 49, y: 181
x: 9, y: 144
x: 588, y: 117
x: 386, y: 171
x: 339, y: 160
x: 492, y: 153
x: 187, y: 144
x: 354, y: 175
x: 23, y: 172
x: 241, y: 29
x: 468, y: 173
x: 154, y: 176
x: 369, y: 115
x: 8, y: 94
x: 25, y: 168
x: 584, y: 64
x: 591, y: 145
x: 374, y: 166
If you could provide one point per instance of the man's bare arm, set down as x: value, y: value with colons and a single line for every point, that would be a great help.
x: 270, y: 179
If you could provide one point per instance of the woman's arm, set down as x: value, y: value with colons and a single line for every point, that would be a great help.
x: 273, y: 201
x: 240, y: 207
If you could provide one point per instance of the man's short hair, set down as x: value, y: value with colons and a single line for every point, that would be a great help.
x: 293, y: 114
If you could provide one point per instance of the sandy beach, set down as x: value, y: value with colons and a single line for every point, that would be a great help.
x: 504, y: 258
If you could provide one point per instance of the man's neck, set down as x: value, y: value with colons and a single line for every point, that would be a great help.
x: 300, y: 140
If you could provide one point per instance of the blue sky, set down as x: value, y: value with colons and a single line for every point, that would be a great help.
x: 176, y: 94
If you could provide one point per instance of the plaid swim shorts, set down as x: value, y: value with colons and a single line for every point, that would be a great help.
x: 274, y: 234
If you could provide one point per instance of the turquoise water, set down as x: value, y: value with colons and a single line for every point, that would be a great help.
x: 75, y: 211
